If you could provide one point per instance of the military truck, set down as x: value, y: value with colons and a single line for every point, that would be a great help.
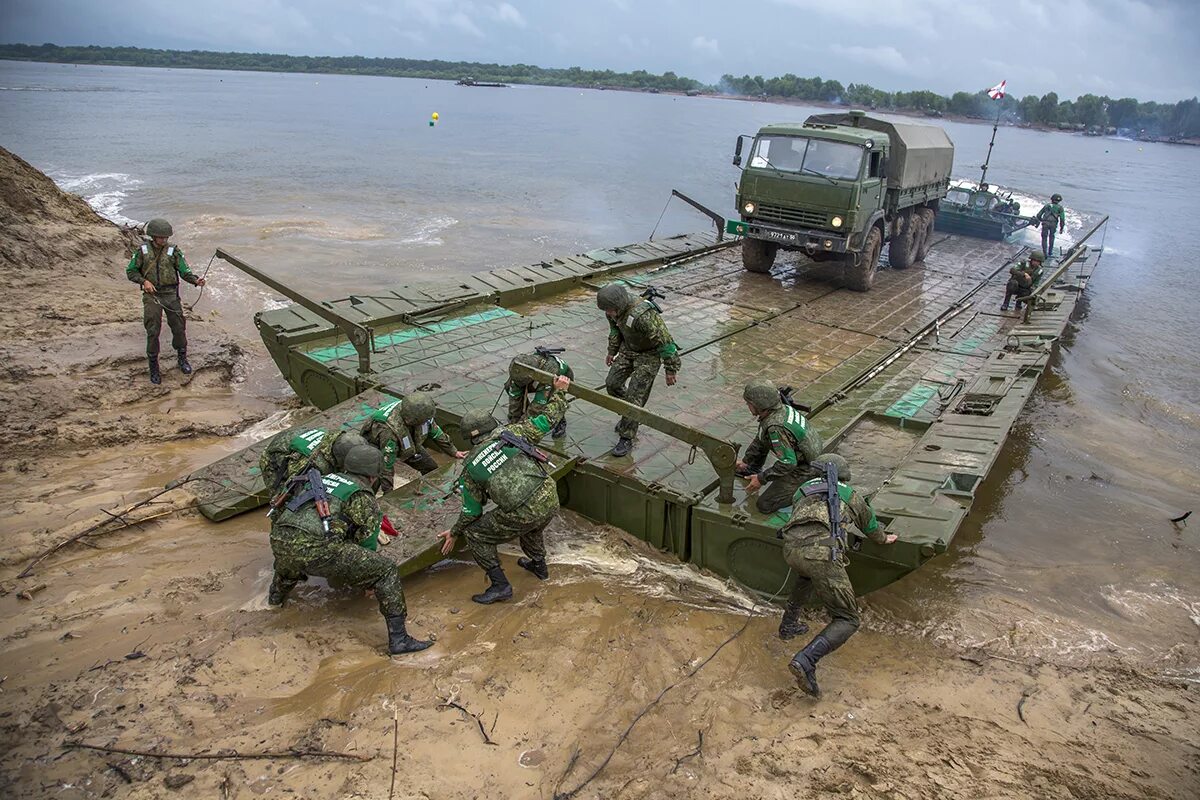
x: 838, y: 188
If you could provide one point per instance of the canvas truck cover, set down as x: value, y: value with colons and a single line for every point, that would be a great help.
x: 921, y: 154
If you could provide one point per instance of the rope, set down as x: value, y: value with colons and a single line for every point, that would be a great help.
x: 202, y: 277
x: 186, y: 308
x: 660, y: 217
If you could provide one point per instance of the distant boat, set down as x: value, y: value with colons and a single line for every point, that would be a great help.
x: 472, y: 82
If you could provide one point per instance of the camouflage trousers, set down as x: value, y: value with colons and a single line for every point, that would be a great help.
x: 822, y: 580
x: 166, y: 300
x: 497, y: 527
x: 299, y: 553
x: 631, y: 378
x: 778, y: 493
x: 1048, y: 240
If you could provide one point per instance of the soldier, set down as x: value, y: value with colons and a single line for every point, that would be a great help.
x: 638, y: 343
x: 506, y: 468
x: 401, y: 429
x: 527, y: 397
x: 1025, y: 277
x: 305, y: 544
x: 157, y: 268
x: 1051, y: 214
x: 784, y: 431
x: 815, y: 550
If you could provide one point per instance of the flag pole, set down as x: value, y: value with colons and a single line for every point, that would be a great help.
x: 991, y: 144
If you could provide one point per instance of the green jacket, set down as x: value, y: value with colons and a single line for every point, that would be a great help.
x: 353, y: 510
x: 162, y: 266
x: 399, y: 442
x: 640, y: 329
x: 808, y: 509
x: 531, y: 400
x: 1052, y: 212
x: 789, y: 436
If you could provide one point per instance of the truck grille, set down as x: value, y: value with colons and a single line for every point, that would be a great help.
x: 791, y: 216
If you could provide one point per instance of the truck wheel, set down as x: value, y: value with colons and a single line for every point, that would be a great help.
x: 900, y: 251
x: 927, y: 216
x: 757, y: 255
x: 859, y: 278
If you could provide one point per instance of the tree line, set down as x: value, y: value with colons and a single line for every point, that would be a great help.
x: 1087, y: 111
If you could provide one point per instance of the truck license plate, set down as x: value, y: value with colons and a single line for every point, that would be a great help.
x: 780, y: 236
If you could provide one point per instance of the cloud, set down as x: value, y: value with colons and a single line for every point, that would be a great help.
x: 884, y: 56
x: 507, y: 13
x: 707, y: 47
x: 461, y: 21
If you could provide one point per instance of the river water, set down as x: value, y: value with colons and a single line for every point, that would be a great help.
x: 1069, y: 553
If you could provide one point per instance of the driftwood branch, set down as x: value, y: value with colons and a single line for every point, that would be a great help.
x: 697, y: 752
x: 395, y: 749
x: 451, y: 701
x: 232, y: 755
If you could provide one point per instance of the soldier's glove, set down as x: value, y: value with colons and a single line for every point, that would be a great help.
x: 744, y: 472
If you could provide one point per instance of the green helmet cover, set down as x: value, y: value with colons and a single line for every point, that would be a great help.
x: 363, y: 459
x: 158, y: 227
x: 763, y: 395
x: 613, y: 297
x: 417, y: 408
x: 843, y: 466
x: 343, y: 444
x: 528, y: 360
x: 1037, y: 255
x: 1056, y: 198
x: 476, y: 423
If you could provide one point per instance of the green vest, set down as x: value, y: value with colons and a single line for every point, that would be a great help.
x: 808, y: 441
x: 510, y: 477
x: 160, y: 267
x: 340, y: 488
x: 815, y: 508
x: 631, y: 336
x: 393, y: 438
x: 306, y: 441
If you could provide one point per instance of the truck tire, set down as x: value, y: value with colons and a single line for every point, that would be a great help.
x: 757, y: 255
x: 901, y: 250
x: 859, y: 278
x: 927, y: 216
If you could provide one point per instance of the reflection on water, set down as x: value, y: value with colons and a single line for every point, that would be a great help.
x: 340, y: 185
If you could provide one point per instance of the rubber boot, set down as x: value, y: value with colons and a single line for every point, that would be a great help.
x: 279, y: 591
x: 155, y: 375
x: 559, y: 430
x: 622, y: 447
x: 184, y: 366
x: 804, y: 664
x: 535, y: 565
x: 500, y: 589
x: 398, y: 639
x: 790, y: 626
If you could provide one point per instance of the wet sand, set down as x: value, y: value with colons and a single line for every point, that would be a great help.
x: 157, y: 637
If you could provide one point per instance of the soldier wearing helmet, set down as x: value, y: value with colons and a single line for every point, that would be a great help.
x: 815, y: 552
x: 1024, y: 278
x: 527, y: 397
x: 638, y: 344
x: 784, y: 432
x: 401, y: 429
x: 1051, y: 215
x: 305, y: 541
x: 504, y: 467
x: 157, y: 267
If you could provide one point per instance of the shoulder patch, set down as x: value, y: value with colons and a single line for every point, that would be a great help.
x: 145, y: 250
x: 171, y: 250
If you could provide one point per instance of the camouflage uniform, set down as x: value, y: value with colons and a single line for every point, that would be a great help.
x: 807, y: 550
x: 287, y: 454
x: 1052, y: 216
x: 640, y: 342
x: 525, y: 495
x: 1024, y: 277
x: 163, y: 267
x: 530, y: 400
x: 387, y: 431
x: 785, y: 433
x: 301, y: 546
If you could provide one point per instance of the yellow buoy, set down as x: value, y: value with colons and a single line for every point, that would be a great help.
x: 434, y: 117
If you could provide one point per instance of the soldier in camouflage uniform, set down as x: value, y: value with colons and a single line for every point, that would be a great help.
x: 157, y: 268
x: 525, y: 495
x: 401, y: 429
x: 527, y: 397
x: 638, y: 344
x: 783, y: 431
x: 303, y: 547
x: 816, y: 556
x: 1024, y: 278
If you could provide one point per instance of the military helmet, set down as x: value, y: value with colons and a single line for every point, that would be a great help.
x: 363, y: 459
x: 343, y: 444
x: 1056, y: 198
x: 476, y: 423
x: 527, y: 360
x: 1037, y: 255
x: 158, y: 227
x: 763, y: 395
x: 843, y: 466
x: 613, y: 297
x: 417, y: 408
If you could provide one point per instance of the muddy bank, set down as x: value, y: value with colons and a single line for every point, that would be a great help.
x: 157, y: 638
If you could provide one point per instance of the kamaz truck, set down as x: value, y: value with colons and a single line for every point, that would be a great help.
x: 838, y: 188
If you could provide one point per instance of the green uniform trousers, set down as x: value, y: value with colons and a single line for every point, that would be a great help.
x: 165, y: 300
x: 778, y: 493
x: 630, y: 378
x: 497, y: 526
x: 299, y: 553
x: 822, y: 580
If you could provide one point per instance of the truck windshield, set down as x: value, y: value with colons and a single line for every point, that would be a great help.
x: 802, y: 154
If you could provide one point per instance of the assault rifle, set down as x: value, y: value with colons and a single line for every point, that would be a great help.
x: 785, y: 396
x: 522, y: 444
x: 834, y: 500
x: 315, y: 491
x: 548, y: 352
x: 651, y: 294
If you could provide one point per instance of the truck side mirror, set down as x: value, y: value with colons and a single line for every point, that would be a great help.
x: 737, y: 152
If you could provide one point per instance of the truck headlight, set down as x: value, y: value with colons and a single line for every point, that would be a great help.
x: 836, y: 222
x: 748, y: 208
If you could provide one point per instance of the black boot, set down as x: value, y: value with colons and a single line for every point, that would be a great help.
x: 279, y: 590
x: 155, y: 375
x: 559, y: 430
x: 535, y: 565
x: 804, y: 664
x: 500, y: 589
x: 791, y: 626
x: 622, y: 447
x: 398, y: 639
x: 184, y: 366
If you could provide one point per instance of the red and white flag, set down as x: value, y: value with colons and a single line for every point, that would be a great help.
x: 997, y: 91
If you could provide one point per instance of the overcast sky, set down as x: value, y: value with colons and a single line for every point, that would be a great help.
x: 1145, y: 49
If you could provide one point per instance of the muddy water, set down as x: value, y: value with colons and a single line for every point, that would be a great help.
x: 1069, y: 553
